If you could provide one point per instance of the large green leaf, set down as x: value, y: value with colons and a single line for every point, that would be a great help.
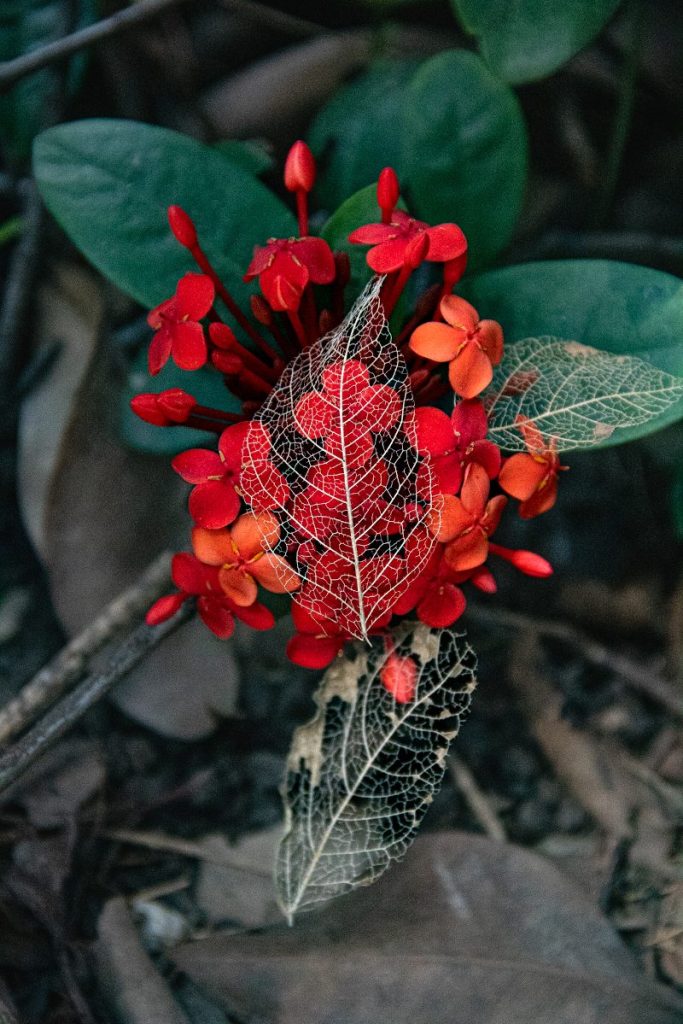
x: 34, y: 101
x: 109, y: 183
x: 466, y: 150
x: 454, y: 133
x: 360, y: 131
x: 527, y: 39
x: 617, y: 307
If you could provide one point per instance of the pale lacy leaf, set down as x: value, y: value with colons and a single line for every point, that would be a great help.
x: 362, y: 773
x: 576, y: 394
x: 348, y: 542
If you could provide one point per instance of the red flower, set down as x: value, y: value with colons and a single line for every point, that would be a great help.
x: 285, y: 266
x: 214, y: 502
x: 348, y: 411
x: 436, y: 599
x: 316, y: 642
x: 453, y: 442
x: 331, y: 590
x: 465, y: 524
x: 532, y: 478
x: 243, y: 555
x: 217, y: 611
x: 391, y: 241
x: 321, y: 510
x: 178, y: 333
x: 399, y: 676
x: 471, y: 346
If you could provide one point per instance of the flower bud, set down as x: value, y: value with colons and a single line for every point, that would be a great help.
x: 176, y: 404
x: 387, y: 191
x: 399, y: 676
x: 182, y: 227
x: 146, y: 407
x: 221, y: 335
x: 299, y: 168
x: 527, y: 562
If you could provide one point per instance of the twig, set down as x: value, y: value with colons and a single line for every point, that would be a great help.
x: 12, y: 70
x: 52, y: 680
x: 69, y: 709
x: 637, y: 676
x: 477, y: 802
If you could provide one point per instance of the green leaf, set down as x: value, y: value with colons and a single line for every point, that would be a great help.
x: 527, y: 39
x: 251, y: 156
x: 109, y: 183
x: 205, y: 385
x: 573, y: 393
x: 360, y: 208
x: 616, y: 307
x: 35, y: 101
x: 362, y: 773
x: 466, y: 151
x: 453, y: 132
x: 360, y: 131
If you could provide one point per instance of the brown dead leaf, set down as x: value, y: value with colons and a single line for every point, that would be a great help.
x: 126, y: 974
x: 464, y: 931
x: 235, y: 883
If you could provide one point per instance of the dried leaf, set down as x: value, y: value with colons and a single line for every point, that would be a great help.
x: 573, y: 392
x: 362, y: 773
x: 334, y: 449
x: 465, y: 931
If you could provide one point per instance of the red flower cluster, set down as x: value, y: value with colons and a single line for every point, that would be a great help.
x: 362, y: 445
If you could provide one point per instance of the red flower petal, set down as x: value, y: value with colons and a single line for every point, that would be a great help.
x: 442, y: 605
x: 257, y: 616
x: 346, y: 378
x: 379, y: 407
x: 467, y: 551
x: 436, y: 341
x: 189, y: 574
x: 230, y: 445
x: 194, y: 296
x: 446, y: 242
x: 542, y: 501
x: 197, y: 465
x: 317, y: 256
x: 459, y: 313
x: 189, y: 345
x: 164, y: 608
x: 399, y: 676
x: 312, y: 651
x: 486, y: 454
x: 388, y: 256
x: 313, y: 413
x: 522, y: 475
x: 475, y: 490
x: 214, y: 504
x: 434, y: 431
x: 469, y: 421
x: 372, y: 234
x: 159, y: 350
x: 490, y: 338
x: 217, y: 617
x: 470, y: 371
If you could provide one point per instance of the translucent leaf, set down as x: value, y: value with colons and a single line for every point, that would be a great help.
x: 333, y: 449
x: 574, y: 393
x: 362, y: 773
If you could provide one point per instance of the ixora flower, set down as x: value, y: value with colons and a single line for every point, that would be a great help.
x: 340, y: 482
x: 175, y: 321
x: 471, y: 347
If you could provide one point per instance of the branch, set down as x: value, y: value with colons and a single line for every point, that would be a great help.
x: 71, y: 662
x: 636, y: 676
x: 67, y: 712
x: 12, y: 70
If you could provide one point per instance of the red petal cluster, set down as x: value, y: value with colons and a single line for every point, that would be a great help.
x: 286, y: 265
x: 178, y: 333
x: 290, y: 535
